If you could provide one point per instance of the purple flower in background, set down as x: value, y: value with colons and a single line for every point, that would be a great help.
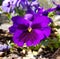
x: 30, y: 29
x: 35, y: 5
x: 1, y: 47
x: 46, y: 12
x: 4, y: 47
x: 8, y: 5
x: 57, y: 8
x: 30, y: 6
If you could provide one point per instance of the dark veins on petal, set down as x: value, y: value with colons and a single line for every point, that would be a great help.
x: 26, y: 36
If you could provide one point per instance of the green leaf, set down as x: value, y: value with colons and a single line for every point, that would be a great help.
x: 12, y: 44
x: 8, y: 15
x: 36, y: 48
x: 1, y: 2
x: 51, y: 14
x: 20, y: 11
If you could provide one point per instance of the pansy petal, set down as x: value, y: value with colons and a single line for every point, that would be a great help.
x: 29, y: 43
x: 6, y: 9
x: 16, y: 38
x: 19, y: 20
x: 28, y: 16
x: 13, y: 28
x: 46, y: 31
x: 40, y: 37
x: 42, y: 20
x: 21, y: 43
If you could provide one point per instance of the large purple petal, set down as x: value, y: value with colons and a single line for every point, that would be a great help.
x: 42, y: 20
x: 13, y: 28
x: 19, y: 20
x: 19, y: 23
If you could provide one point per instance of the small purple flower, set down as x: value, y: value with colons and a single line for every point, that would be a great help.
x: 4, y: 47
x: 8, y: 5
x: 30, y: 30
x: 1, y: 47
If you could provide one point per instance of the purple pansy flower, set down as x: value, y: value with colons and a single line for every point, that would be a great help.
x: 30, y: 29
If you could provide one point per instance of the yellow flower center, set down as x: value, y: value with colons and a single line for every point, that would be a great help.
x: 29, y: 29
